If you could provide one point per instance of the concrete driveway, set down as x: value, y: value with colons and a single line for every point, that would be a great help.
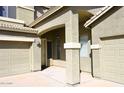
x: 52, y: 77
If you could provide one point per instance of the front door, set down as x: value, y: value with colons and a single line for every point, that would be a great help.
x: 49, y: 51
x: 43, y: 53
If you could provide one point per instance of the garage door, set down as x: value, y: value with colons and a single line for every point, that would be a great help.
x: 112, y: 59
x: 14, y: 58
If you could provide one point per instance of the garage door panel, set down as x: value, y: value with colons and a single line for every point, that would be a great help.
x: 111, y: 76
x: 112, y: 59
x: 4, y: 72
x: 109, y: 51
x: 121, y: 52
x: 4, y: 57
x: 121, y: 70
x: 23, y: 59
x: 14, y: 58
x: 111, y: 70
x: 109, y: 59
x: 22, y: 70
x: 121, y: 41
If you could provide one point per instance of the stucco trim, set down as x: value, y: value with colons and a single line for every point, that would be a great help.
x: 72, y: 45
x: 95, y: 46
x: 11, y: 20
x: 27, y: 8
x: 97, y: 16
x: 24, y: 39
x: 12, y: 27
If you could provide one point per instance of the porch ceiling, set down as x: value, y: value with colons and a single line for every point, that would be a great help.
x: 50, y: 29
x: 84, y: 15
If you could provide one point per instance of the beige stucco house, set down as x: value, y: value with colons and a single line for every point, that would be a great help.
x: 79, y: 38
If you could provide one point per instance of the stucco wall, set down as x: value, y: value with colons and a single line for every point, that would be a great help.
x: 36, y: 54
x: 110, y: 24
x: 35, y: 49
x: 24, y: 14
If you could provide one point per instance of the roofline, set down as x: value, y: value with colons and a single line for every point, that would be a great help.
x: 45, y: 15
x: 98, y: 15
x: 14, y: 28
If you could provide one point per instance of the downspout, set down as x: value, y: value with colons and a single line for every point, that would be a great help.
x: 91, y: 55
x: 89, y: 28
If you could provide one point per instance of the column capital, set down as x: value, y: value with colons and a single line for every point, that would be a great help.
x: 72, y: 45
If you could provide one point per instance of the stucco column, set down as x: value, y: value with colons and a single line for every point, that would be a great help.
x: 36, y: 55
x: 72, y: 47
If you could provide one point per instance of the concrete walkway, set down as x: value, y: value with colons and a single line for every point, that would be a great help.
x: 52, y: 77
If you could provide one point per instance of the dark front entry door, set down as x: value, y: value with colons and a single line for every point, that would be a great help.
x: 49, y: 51
x: 43, y: 53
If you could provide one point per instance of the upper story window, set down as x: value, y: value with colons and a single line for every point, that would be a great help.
x: 40, y: 10
x: 8, y: 11
x: 4, y: 11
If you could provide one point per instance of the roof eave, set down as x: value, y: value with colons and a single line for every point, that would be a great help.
x: 7, y: 27
x: 97, y: 16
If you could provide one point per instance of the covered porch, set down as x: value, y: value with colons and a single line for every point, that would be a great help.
x: 53, y: 48
x: 60, y: 40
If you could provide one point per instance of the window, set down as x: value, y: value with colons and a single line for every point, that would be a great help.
x: 84, y: 46
x: 8, y: 11
x: 4, y: 11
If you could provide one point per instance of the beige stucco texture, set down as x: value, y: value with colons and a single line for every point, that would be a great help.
x: 108, y: 32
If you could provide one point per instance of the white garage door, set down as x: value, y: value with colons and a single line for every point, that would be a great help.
x: 112, y: 59
x: 14, y: 58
